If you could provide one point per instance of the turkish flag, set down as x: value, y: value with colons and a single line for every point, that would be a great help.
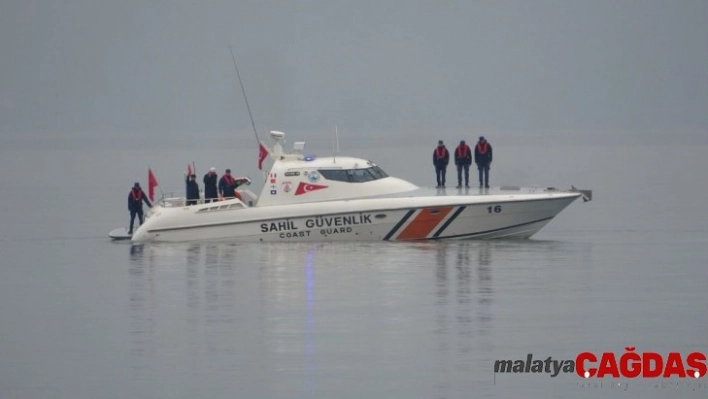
x: 304, y: 188
x: 262, y: 154
x: 152, y: 183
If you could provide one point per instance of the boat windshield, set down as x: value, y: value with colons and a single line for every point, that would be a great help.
x: 354, y: 175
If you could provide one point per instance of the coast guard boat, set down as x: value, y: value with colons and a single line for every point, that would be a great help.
x: 305, y: 198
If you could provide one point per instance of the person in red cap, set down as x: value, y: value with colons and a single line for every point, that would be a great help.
x: 483, y: 159
x: 441, y: 157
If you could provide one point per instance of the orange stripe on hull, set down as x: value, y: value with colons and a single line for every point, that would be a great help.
x: 424, y: 223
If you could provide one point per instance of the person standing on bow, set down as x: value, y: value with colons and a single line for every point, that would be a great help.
x: 227, y: 185
x: 192, y: 190
x: 441, y: 157
x: 136, y: 196
x: 483, y: 159
x: 463, y: 160
x: 210, y: 192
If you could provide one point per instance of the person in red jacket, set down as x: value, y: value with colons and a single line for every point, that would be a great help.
x: 136, y: 197
x: 463, y: 160
x: 227, y: 185
x: 441, y: 157
x: 483, y: 159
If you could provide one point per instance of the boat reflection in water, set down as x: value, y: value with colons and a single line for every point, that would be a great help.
x: 283, y: 313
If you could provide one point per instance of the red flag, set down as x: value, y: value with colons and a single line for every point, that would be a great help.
x: 304, y: 188
x: 262, y: 154
x: 152, y: 183
x: 189, y: 169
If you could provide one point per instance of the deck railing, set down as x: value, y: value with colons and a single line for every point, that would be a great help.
x: 168, y: 200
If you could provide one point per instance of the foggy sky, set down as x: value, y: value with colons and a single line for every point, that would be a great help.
x: 126, y: 69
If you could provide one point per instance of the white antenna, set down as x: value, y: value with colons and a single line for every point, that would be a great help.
x: 334, y: 146
x: 243, y: 90
x: 336, y: 133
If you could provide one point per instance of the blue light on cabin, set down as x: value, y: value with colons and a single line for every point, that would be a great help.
x: 309, y: 158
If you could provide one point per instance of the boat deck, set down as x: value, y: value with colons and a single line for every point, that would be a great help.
x: 420, y: 192
x: 475, y: 191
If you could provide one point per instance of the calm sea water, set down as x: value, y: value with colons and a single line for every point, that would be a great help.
x: 84, y: 317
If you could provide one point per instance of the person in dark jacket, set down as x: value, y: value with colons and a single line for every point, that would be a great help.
x: 483, y: 159
x: 227, y: 185
x: 210, y: 193
x: 136, y: 196
x: 463, y: 160
x: 192, y: 190
x: 441, y: 157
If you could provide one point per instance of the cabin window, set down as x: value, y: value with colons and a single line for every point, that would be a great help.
x: 354, y: 175
x: 335, y: 174
x: 378, y: 172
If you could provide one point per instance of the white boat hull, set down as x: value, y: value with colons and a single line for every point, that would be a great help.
x: 392, y: 219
